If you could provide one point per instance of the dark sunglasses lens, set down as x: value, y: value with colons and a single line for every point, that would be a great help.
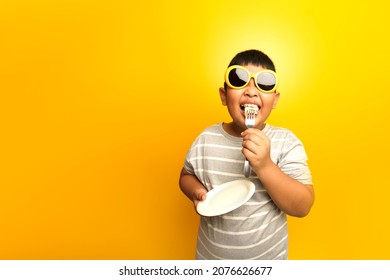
x: 266, y: 81
x: 238, y: 77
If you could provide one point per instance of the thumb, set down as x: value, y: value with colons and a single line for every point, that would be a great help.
x: 200, y: 195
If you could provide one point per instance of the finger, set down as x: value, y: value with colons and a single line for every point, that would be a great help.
x: 253, y: 144
x: 251, y: 131
x: 249, y: 134
x: 252, y: 138
x: 200, y: 195
x: 248, y: 154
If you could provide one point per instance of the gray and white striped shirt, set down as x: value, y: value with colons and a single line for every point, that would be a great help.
x: 257, y: 229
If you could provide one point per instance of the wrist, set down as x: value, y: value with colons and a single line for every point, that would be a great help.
x: 265, y: 168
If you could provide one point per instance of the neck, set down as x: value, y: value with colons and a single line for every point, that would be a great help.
x: 235, y: 130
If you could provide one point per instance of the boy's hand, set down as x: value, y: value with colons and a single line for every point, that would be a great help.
x: 256, y: 148
x: 199, y: 195
x: 192, y: 187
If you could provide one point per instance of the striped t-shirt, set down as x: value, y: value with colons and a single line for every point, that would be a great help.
x: 257, y: 229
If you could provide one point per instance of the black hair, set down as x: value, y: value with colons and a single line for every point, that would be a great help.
x: 255, y: 57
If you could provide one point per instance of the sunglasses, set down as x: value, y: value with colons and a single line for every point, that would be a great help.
x: 237, y: 76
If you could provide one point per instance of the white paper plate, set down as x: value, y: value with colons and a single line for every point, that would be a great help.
x: 226, y: 197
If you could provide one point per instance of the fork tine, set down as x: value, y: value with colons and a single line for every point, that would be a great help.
x: 250, y: 115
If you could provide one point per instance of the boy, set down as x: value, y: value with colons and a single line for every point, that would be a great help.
x: 257, y: 229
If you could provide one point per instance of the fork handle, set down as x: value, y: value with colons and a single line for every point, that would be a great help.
x: 247, y: 168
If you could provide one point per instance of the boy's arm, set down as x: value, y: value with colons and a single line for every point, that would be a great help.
x: 192, y: 187
x: 290, y: 195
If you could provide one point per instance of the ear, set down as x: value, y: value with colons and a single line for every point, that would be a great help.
x: 222, y: 95
x: 276, y: 96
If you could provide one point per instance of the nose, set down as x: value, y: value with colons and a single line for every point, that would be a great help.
x: 251, y: 89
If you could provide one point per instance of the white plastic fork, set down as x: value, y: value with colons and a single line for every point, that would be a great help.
x: 250, y: 114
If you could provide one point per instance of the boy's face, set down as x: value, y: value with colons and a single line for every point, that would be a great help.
x: 235, y: 99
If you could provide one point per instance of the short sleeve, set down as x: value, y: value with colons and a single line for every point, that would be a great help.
x: 293, y: 161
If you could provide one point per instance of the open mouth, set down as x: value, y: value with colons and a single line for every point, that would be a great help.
x: 242, y: 106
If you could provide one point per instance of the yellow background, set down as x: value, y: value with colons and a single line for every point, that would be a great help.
x: 100, y: 100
